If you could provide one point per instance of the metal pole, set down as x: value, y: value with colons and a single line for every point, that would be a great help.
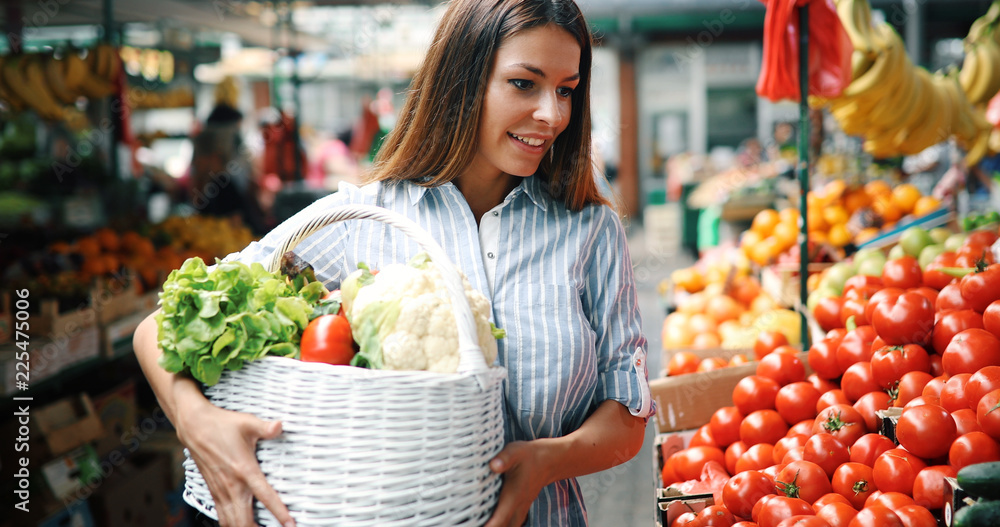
x: 803, y: 168
x: 109, y: 37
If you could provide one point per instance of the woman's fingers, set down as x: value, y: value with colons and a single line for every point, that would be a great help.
x: 266, y: 494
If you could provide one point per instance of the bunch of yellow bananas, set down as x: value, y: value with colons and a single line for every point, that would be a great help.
x: 51, y: 85
x: 980, y: 73
x: 898, y: 107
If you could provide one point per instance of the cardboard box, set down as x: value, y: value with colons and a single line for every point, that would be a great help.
x: 47, y: 358
x: 118, y: 413
x: 69, y: 476
x: 688, y: 401
x: 954, y: 499
x: 134, y: 495
x: 887, y: 422
x: 670, y: 502
x: 67, y: 424
x: 116, y: 297
x: 116, y: 336
x: 55, y: 324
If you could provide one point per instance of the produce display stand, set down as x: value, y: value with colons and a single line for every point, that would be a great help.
x: 803, y: 166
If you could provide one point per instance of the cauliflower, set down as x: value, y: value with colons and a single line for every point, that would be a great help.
x: 402, y: 318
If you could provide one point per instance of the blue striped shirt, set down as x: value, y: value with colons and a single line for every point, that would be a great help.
x: 560, y: 283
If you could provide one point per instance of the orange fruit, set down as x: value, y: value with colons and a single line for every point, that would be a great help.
x: 723, y: 308
x: 856, y: 199
x: 693, y: 304
x: 815, y: 221
x: 764, y: 222
x: 750, y: 238
x: 905, y: 197
x: 865, y: 235
x: 790, y: 216
x: 785, y: 234
x: 926, y: 205
x: 702, y: 323
x: 839, y: 236
x: 835, y: 214
x: 88, y: 246
x: 108, y: 239
x: 877, y: 187
x: 818, y: 237
x: 887, y: 210
x: 683, y: 361
x: 59, y: 248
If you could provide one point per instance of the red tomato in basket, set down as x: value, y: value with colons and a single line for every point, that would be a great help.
x: 328, y: 339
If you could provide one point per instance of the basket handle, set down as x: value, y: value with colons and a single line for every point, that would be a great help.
x: 470, y: 355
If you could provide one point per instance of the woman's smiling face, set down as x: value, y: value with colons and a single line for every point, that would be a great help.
x: 528, y: 101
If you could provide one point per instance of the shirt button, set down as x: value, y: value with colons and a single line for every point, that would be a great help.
x: 496, y: 213
x: 489, y: 255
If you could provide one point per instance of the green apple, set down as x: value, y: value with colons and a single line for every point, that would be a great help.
x: 872, y: 266
x: 955, y: 241
x: 929, y: 254
x: 940, y: 234
x: 914, y: 239
x: 819, y: 294
x: 896, y: 252
x: 836, y: 276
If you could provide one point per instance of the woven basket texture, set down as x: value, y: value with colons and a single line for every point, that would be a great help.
x: 372, y: 447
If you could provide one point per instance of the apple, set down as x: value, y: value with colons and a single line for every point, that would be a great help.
x: 929, y: 253
x: 869, y: 261
x: 896, y: 252
x: 914, y: 239
x: 955, y: 241
x: 821, y: 292
x: 836, y: 276
x: 939, y: 234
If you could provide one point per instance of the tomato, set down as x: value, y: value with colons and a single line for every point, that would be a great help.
x: 787, y: 443
x: 854, y: 307
x: 667, y: 474
x: 745, y: 524
x: 725, y: 425
x: 822, y: 359
x: 890, y: 363
x: 762, y: 426
x: 822, y: 385
x: 733, y: 453
x: 892, y: 500
x: 854, y: 482
x: 984, y: 238
x: 953, y: 395
x: 910, y: 387
x: 971, y: 350
x: 757, y: 507
x: 803, y: 427
x: 782, y: 368
x: 950, y: 299
x: 842, y: 421
x: 965, y: 421
x: 981, y: 287
x: 869, y: 447
x: 909, y: 319
x: 327, y: 339
x: 711, y: 363
x: 827, y: 312
x: 743, y: 490
x: 830, y: 398
x: 985, y: 380
x: 929, y: 486
x: 895, y: 470
x: 970, y: 254
x: 826, y: 451
x: 803, y: 520
x: 757, y: 457
x: 780, y: 508
x: 858, y: 380
x: 926, y: 430
x: 937, y: 368
x: 868, y: 405
x: 766, y: 341
x: 972, y: 448
x: 739, y: 359
x: 755, y: 392
x: 790, y: 350
x: 889, y: 293
x: 797, y: 401
x: 876, y: 516
x: 903, y: 272
x: 687, y: 463
x: 686, y: 519
x: 951, y: 323
x: 991, y: 318
x: 683, y: 362
x: 988, y: 414
x: 793, y: 454
x: 933, y: 277
x: 837, y: 514
x: 914, y: 515
x: 934, y: 386
x: 855, y: 347
x: 828, y: 498
x: 920, y: 401
x: 715, y: 515
x: 703, y: 437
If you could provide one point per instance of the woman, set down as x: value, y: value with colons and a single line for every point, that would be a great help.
x: 491, y: 156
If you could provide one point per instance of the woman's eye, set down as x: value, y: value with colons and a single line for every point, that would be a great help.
x: 565, y: 92
x: 522, y: 84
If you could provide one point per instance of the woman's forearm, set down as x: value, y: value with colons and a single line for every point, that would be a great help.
x: 170, y: 388
x: 609, y: 437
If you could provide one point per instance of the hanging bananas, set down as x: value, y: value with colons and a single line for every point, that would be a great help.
x: 51, y: 85
x: 902, y: 109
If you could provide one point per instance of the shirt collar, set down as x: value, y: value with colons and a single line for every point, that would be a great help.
x: 531, y: 186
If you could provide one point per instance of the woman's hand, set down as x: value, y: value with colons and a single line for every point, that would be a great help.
x: 223, y: 445
x: 525, y: 474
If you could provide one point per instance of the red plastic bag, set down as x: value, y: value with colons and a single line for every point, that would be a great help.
x: 829, y: 51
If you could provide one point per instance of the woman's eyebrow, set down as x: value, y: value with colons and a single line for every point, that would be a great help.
x: 540, y: 73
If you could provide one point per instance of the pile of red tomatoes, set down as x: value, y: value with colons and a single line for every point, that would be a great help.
x: 807, y: 449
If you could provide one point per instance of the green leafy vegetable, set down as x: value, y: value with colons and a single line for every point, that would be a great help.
x: 213, y: 320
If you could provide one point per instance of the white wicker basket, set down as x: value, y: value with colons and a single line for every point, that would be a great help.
x: 369, y: 447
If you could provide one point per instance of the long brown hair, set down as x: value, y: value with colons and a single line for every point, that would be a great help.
x: 436, y: 136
